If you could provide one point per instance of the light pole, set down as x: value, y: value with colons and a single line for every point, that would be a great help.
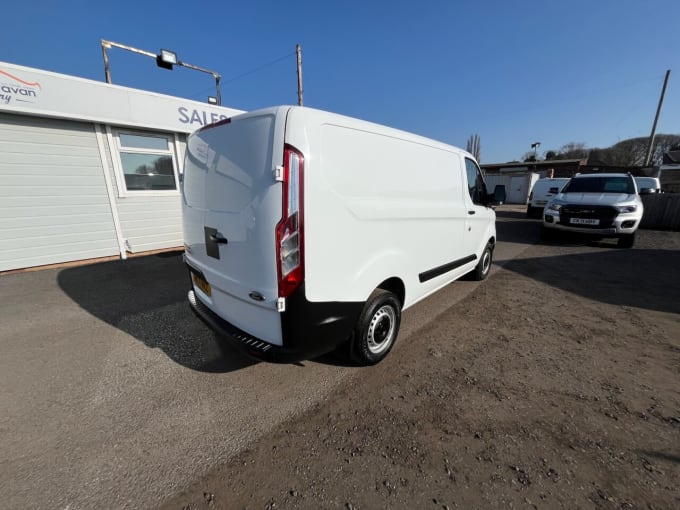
x: 535, y: 146
x: 165, y: 59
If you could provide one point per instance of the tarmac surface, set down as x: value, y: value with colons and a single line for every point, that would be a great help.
x: 114, y: 395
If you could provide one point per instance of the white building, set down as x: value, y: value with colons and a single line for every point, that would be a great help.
x: 89, y: 169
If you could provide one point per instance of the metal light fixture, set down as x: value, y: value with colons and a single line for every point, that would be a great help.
x: 166, y: 59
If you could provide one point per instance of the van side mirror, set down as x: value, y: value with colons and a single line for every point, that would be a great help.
x: 646, y: 191
x: 498, y: 197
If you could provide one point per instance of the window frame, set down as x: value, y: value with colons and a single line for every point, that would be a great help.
x: 479, y: 178
x: 113, y: 135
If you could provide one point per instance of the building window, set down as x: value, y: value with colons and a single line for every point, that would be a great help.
x: 147, y: 163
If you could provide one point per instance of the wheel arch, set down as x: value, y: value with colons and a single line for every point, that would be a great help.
x: 396, y: 286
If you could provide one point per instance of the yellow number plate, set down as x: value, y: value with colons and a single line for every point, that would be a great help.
x: 201, y: 284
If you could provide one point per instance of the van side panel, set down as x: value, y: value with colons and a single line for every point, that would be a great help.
x: 378, y: 203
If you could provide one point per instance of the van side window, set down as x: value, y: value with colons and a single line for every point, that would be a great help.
x: 475, y: 182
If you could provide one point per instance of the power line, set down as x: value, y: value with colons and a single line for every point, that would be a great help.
x: 259, y: 68
x: 247, y: 73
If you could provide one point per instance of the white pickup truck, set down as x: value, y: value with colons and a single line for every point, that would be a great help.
x: 602, y: 205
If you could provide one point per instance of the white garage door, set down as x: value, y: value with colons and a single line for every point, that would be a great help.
x: 518, y: 192
x: 53, y: 200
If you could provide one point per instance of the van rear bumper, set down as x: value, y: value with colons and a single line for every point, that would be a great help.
x: 309, y: 329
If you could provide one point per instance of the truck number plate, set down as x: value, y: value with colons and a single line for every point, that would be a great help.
x: 584, y: 221
x: 201, y: 284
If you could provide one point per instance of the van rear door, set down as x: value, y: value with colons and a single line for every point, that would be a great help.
x: 230, y: 225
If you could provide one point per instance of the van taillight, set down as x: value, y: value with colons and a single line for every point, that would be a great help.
x: 289, y: 231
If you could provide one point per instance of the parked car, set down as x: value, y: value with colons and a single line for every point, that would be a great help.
x: 648, y: 185
x: 605, y: 205
x: 541, y: 193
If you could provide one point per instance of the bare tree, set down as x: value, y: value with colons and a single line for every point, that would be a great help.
x: 473, y: 146
x: 573, y: 150
x: 633, y: 151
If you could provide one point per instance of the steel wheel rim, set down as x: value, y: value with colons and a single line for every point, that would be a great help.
x: 381, y: 329
x: 486, y: 261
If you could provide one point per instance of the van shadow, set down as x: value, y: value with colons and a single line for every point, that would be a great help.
x: 518, y: 230
x: 146, y: 298
x: 641, y: 278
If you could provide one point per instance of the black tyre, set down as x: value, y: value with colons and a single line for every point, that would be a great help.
x: 484, y: 265
x: 626, y: 241
x: 377, y: 328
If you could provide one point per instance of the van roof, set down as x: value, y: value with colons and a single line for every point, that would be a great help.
x: 387, y: 130
x: 592, y: 176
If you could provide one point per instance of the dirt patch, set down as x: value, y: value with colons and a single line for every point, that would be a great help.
x: 554, y: 385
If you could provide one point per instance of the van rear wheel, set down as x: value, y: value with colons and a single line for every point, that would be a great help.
x: 377, y: 328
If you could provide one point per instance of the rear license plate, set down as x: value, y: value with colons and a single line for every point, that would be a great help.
x: 200, y: 282
x: 584, y: 221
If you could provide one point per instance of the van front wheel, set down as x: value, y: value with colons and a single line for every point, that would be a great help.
x: 484, y: 265
x: 377, y: 328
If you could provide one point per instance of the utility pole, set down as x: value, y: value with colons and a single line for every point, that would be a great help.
x: 298, y: 51
x: 656, y: 119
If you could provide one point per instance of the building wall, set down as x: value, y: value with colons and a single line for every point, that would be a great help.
x: 54, y: 205
x: 64, y: 195
x: 517, y: 186
x: 147, y: 221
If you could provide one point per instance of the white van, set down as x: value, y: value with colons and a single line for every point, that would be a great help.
x: 542, y: 192
x: 648, y: 185
x: 305, y: 229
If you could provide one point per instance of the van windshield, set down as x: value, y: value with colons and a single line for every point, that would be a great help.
x: 621, y: 184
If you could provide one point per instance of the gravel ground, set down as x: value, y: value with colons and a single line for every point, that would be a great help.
x: 555, y: 384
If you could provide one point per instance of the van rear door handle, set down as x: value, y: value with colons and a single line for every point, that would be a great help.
x: 471, y: 212
x: 218, y: 238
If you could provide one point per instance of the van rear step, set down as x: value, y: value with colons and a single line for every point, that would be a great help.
x: 253, y: 346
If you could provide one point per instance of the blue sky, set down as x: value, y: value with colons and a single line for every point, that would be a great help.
x: 514, y: 72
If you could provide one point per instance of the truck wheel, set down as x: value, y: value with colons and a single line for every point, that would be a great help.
x: 626, y: 241
x: 377, y: 328
x: 484, y: 265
